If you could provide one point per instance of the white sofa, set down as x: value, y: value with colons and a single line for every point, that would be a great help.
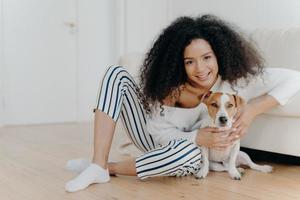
x: 276, y: 131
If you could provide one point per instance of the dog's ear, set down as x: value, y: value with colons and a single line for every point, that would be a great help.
x: 206, y: 96
x: 239, y: 101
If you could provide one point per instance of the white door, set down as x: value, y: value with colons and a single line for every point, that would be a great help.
x: 39, y: 61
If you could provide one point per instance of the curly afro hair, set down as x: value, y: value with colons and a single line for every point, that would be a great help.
x: 163, y: 71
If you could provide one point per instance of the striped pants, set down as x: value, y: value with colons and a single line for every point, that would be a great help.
x: 118, y: 96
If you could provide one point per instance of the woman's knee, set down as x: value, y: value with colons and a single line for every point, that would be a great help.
x: 115, y: 69
x: 183, y: 151
x: 186, y: 151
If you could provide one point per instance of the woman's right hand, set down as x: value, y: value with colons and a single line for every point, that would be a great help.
x: 217, y: 138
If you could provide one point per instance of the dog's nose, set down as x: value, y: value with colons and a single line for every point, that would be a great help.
x: 223, y: 119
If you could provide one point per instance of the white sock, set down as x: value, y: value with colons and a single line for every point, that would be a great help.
x: 77, y: 165
x: 93, y: 174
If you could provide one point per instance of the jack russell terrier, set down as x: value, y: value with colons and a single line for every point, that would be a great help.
x: 221, y: 108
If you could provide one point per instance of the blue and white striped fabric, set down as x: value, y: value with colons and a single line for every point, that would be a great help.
x: 118, y: 96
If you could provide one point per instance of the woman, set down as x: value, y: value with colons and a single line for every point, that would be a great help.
x: 190, y: 58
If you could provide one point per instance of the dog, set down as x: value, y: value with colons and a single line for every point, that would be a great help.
x: 221, y: 108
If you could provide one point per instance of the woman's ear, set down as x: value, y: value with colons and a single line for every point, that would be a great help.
x: 239, y: 101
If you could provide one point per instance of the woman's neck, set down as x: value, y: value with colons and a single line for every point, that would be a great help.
x: 195, y: 88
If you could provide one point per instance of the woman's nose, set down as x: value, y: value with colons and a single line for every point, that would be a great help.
x: 200, y: 67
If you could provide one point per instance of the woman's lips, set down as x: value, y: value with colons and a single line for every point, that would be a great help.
x: 203, y: 77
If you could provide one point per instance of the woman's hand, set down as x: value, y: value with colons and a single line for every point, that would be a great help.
x: 247, y: 114
x: 242, y: 120
x: 217, y: 138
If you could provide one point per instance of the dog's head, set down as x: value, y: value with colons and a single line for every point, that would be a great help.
x: 222, y: 107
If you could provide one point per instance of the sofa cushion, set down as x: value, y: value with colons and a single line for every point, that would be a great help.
x: 279, y: 48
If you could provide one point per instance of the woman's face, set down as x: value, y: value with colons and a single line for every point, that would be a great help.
x: 200, y: 64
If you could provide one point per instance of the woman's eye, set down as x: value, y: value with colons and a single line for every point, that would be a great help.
x: 207, y: 57
x: 214, y: 105
x: 188, y: 62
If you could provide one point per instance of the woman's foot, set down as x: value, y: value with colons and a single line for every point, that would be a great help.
x: 77, y: 165
x: 92, y: 174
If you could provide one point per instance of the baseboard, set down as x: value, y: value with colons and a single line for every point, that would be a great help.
x: 258, y: 155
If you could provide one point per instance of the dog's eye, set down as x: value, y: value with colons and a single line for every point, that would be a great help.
x: 214, y: 105
x: 230, y: 105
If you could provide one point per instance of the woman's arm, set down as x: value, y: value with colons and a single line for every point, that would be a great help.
x: 262, y: 104
x: 275, y: 88
x: 163, y: 132
x: 279, y: 83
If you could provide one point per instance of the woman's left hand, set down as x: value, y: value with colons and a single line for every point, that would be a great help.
x: 242, y: 120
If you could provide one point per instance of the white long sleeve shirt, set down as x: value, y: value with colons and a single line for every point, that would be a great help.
x: 177, y: 123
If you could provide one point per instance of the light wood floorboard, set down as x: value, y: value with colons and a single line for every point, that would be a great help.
x: 32, y: 160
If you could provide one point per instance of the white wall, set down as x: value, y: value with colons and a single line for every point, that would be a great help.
x: 96, y: 50
x: 1, y: 68
x: 248, y: 14
x: 145, y: 19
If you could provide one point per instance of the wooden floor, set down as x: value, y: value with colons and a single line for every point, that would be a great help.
x: 32, y: 160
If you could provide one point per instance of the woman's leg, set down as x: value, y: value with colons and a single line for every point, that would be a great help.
x: 126, y: 167
x: 104, y: 128
x: 118, y: 95
x: 178, y: 158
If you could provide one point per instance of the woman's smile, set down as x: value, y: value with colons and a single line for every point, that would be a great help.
x: 203, y: 77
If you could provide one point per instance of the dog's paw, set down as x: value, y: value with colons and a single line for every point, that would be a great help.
x: 235, y: 174
x: 202, y: 173
x: 241, y: 171
x: 266, y: 169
